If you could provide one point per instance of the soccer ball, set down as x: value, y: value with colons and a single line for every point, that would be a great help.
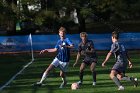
x: 74, y: 86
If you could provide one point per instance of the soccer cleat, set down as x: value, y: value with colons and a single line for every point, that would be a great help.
x: 94, y: 83
x: 63, y: 84
x: 135, y: 81
x: 38, y: 84
x: 121, y: 88
x: 79, y: 83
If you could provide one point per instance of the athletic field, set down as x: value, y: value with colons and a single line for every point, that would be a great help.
x: 11, y: 64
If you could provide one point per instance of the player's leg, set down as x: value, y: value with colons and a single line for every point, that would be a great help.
x: 63, y: 69
x: 45, y: 74
x: 64, y: 81
x: 117, y: 69
x: 82, y: 67
x: 113, y: 76
x: 122, y: 76
x: 63, y: 75
x: 92, y: 68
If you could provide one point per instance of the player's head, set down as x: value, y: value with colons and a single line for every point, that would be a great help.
x: 62, y: 32
x: 115, y: 36
x: 83, y: 36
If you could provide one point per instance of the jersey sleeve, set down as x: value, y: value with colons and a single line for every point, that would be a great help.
x: 79, y: 48
x: 114, y: 48
x: 57, y: 45
x: 69, y: 41
x: 91, y: 45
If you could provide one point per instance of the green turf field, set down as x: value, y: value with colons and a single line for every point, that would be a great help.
x: 23, y: 82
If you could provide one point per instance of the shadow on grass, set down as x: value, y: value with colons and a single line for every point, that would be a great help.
x: 33, y: 89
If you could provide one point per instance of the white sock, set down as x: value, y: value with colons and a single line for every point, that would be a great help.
x: 43, y: 77
x: 63, y: 79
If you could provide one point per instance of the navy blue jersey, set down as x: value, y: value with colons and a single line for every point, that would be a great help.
x: 119, y: 51
x: 87, y: 46
x: 63, y: 52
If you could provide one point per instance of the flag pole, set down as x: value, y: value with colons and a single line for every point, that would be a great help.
x: 30, y: 38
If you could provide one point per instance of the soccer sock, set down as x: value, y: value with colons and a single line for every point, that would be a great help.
x: 116, y: 80
x: 43, y: 77
x: 127, y: 78
x: 81, y: 76
x: 64, y: 79
x: 94, y: 76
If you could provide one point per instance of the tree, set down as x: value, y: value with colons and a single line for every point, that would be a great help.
x: 8, y: 14
x: 58, y: 12
x: 83, y: 11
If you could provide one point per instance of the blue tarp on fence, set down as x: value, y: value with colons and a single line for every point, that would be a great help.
x: 14, y: 43
x: 101, y: 41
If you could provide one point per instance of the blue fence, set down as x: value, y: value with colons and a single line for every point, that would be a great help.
x: 14, y: 43
x: 39, y: 42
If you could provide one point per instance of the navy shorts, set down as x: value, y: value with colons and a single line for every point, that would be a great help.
x: 89, y: 60
x: 120, y: 67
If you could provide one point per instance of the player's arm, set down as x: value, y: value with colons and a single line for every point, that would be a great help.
x: 129, y: 61
x: 78, y: 54
x: 77, y: 59
x: 106, y: 59
x: 90, y: 49
x: 69, y: 46
x: 48, y: 50
x: 114, y: 48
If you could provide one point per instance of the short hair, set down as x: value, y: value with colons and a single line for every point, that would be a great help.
x: 115, y: 34
x: 83, y: 34
x: 62, y: 29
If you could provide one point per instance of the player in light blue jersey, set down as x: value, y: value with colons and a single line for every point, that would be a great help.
x: 61, y: 60
x: 122, y: 59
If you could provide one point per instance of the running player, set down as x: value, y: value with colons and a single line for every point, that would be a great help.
x: 122, y: 58
x: 86, y: 49
x: 61, y: 60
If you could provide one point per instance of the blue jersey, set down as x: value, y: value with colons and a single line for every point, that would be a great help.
x: 119, y: 51
x: 63, y: 52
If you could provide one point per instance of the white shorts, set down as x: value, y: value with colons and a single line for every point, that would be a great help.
x: 62, y: 65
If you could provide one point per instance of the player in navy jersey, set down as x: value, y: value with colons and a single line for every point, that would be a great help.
x: 87, y: 51
x: 61, y: 60
x: 122, y: 59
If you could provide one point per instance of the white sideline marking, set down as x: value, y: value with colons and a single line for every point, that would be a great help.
x: 24, y: 67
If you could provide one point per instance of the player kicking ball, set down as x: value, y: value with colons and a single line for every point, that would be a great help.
x: 87, y: 51
x: 122, y: 59
x: 61, y: 60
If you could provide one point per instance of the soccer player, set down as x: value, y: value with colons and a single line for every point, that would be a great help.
x: 61, y: 60
x: 121, y: 58
x: 87, y: 51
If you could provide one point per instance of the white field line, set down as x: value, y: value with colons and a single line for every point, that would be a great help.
x: 24, y: 67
